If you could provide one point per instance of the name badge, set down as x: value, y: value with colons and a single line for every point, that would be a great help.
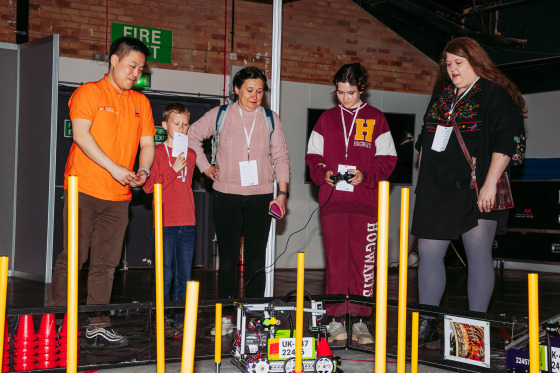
x: 249, y: 173
x: 443, y: 133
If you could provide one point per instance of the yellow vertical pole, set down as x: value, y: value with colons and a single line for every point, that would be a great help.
x: 3, y: 290
x: 414, y: 343
x: 403, y: 275
x: 189, y: 330
x: 299, y: 311
x: 158, y: 236
x: 534, y: 363
x: 218, y: 337
x: 72, y: 295
x: 382, y: 269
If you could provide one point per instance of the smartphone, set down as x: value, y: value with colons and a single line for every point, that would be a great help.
x: 275, y: 211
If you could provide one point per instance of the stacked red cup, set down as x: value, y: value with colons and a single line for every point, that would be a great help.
x: 47, y: 343
x: 6, y: 353
x: 25, y: 345
x: 63, y: 346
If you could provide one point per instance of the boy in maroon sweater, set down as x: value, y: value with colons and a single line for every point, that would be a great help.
x: 175, y: 175
x: 350, y: 150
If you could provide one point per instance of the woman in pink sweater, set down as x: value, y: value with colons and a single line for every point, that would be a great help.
x: 248, y: 157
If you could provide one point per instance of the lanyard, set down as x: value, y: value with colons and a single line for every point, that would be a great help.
x: 183, y: 170
x: 248, y: 137
x: 454, y: 104
x: 347, y: 135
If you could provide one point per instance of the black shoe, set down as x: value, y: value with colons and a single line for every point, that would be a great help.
x: 104, y: 337
x: 427, y: 332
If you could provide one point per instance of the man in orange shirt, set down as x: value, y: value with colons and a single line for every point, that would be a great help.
x: 109, y: 122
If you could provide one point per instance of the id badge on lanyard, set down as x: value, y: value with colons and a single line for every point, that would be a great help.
x: 248, y: 172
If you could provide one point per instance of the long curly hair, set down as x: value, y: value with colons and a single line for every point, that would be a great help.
x: 482, y: 65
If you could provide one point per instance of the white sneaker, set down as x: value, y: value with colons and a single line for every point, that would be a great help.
x: 226, y: 327
x: 104, y: 337
x: 337, y: 331
x: 361, y: 334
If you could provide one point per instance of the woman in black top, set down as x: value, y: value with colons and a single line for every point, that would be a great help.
x: 489, y: 111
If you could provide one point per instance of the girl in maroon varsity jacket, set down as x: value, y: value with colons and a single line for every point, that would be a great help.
x: 349, y: 151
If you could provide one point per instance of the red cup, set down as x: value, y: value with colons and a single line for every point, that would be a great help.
x: 47, y: 357
x: 47, y: 364
x: 47, y: 329
x: 25, y: 367
x: 42, y: 349
x: 18, y: 344
x: 25, y: 351
x: 62, y: 331
x: 26, y: 330
x: 25, y: 359
x: 43, y: 342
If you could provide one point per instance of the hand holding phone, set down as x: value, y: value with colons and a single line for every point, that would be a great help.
x: 275, y: 211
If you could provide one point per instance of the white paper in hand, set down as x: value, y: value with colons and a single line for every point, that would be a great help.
x: 180, y: 144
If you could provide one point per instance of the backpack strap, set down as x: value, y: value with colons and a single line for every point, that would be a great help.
x: 220, y: 120
x: 269, y: 122
x: 269, y: 119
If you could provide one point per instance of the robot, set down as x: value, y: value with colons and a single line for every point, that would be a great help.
x: 264, y: 344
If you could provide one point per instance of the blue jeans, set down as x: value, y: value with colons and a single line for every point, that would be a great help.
x: 178, y: 252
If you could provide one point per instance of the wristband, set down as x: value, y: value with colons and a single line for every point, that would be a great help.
x: 283, y: 193
x: 146, y: 170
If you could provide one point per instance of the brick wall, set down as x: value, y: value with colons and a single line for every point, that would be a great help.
x: 318, y: 36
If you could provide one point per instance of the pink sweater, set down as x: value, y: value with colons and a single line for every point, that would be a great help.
x: 232, y: 149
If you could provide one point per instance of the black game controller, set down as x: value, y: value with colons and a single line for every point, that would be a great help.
x: 340, y: 177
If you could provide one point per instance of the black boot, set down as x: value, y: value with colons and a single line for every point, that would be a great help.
x: 427, y: 332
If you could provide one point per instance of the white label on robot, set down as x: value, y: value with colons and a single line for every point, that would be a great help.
x: 288, y: 347
x: 555, y: 359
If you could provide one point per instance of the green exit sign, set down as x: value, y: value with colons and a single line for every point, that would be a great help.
x: 159, y: 41
x: 161, y: 135
x: 67, y: 128
x: 145, y: 81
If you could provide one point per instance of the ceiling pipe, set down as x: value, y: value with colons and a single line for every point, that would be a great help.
x: 476, y: 11
x: 456, y: 29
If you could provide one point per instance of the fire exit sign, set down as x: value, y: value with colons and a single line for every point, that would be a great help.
x: 159, y: 41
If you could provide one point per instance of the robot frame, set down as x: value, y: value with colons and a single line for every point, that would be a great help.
x: 260, y: 346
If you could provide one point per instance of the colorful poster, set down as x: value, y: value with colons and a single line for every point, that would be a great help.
x: 467, y: 341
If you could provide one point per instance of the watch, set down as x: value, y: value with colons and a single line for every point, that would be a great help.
x: 283, y: 193
x: 147, y: 171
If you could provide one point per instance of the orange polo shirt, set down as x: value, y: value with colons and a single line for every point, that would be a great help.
x: 119, y: 120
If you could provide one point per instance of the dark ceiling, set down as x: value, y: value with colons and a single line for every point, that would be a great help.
x: 521, y: 36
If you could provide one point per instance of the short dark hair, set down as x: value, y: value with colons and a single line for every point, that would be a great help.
x: 124, y: 45
x: 175, y: 107
x: 354, y: 74
x: 250, y: 72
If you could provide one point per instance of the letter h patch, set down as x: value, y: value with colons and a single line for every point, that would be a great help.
x: 364, y: 127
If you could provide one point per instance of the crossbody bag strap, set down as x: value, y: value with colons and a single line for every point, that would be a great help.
x: 466, y: 153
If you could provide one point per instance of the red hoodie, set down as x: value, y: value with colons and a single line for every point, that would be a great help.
x: 177, y: 196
